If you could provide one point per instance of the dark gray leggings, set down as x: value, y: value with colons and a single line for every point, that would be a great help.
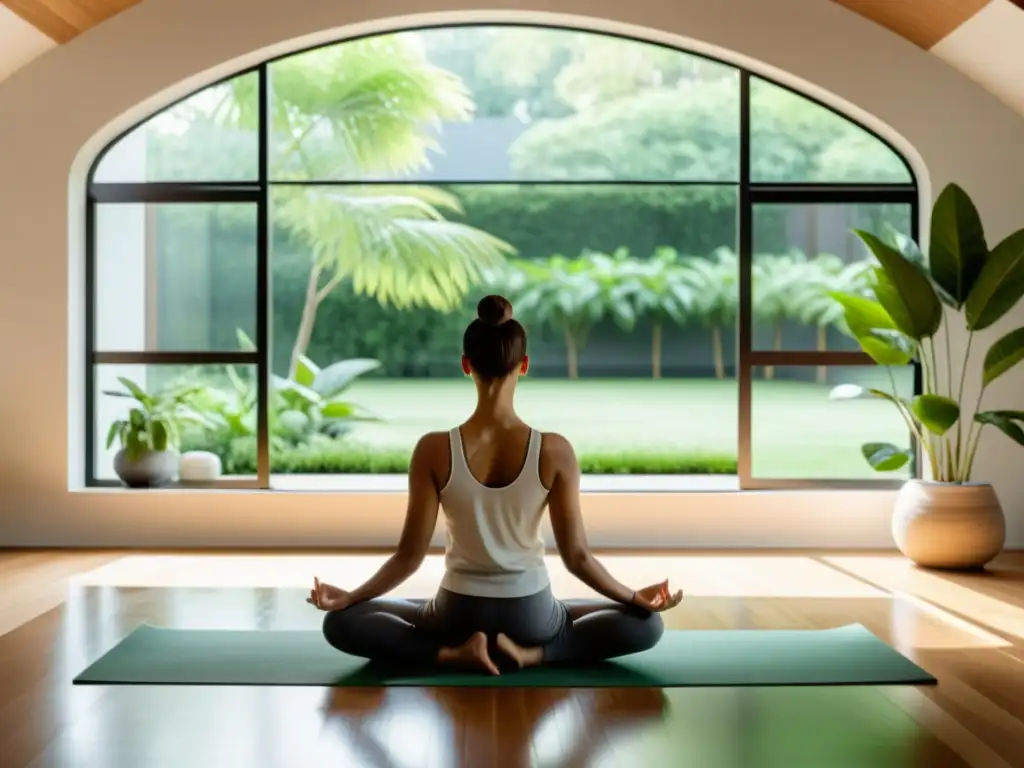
x: 571, y: 631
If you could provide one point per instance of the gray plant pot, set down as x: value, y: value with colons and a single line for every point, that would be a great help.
x: 151, y: 470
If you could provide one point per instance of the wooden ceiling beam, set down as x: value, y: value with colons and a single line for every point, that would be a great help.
x: 924, y: 22
x: 63, y: 20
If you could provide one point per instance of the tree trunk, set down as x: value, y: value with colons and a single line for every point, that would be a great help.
x: 822, y: 347
x: 572, y: 355
x: 716, y: 348
x: 305, y: 332
x: 769, y: 371
x: 656, y: 351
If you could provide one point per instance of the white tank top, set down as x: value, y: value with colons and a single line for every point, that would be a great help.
x: 494, y: 546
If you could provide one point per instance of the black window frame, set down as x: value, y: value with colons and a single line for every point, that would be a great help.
x: 258, y: 192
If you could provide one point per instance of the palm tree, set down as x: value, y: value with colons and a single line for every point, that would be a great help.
x: 658, y: 289
x: 776, y: 283
x: 364, y: 109
x: 715, y: 285
x: 828, y: 274
x: 571, y: 296
x: 397, y: 248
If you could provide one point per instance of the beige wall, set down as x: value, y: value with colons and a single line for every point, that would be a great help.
x: 56, y: 113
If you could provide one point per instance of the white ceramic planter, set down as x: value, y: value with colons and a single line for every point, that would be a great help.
x: 948, y: 525
x: 199, y: 468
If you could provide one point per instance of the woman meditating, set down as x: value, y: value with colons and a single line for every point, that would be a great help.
x: 492, y: 478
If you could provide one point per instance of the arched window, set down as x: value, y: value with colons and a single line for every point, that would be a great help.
x: 299, y: 247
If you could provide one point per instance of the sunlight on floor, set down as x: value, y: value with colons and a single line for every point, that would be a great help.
x: 899, y: 575
x: 698, y: 576
x: 917, y: 624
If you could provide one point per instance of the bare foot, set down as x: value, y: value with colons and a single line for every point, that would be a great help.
x: 472, y: 654
x: 524, y: 657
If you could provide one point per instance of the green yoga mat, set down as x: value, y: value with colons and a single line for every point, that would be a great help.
x: 847, y: 655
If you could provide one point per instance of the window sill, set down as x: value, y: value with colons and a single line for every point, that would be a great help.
x: 397, y: 484
x: 345, y: 483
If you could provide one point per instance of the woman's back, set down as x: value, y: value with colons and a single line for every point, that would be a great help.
x: 493, y: 504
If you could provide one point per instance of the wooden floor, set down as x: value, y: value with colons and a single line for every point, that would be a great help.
x: 60, y: 611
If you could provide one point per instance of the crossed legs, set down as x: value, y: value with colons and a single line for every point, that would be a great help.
x: 404, y: 631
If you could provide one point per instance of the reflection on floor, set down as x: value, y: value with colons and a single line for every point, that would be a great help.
x: 62, y: 610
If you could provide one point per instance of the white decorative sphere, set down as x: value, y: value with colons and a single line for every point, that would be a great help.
x: 199, y: 467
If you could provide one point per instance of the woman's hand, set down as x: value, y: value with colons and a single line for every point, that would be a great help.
x: 327, y: 597
x: 657, y: 597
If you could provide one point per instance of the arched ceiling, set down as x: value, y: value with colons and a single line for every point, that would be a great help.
x: 979, y: 37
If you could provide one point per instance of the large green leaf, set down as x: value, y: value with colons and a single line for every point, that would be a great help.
x: 885, y: 457
x: 895, y: 399
x: 305, y: 371
x: 957, y: 249
x: 884, y: 349
x: 244, y: 342
x: 159, y: 433
x: 336, y: 377
x: 904, y: 290
x: 1003, y: 355
x: 1000, y: 284
x: 136, y: 391
x: 936, y: 412
x: 114, y: 432
x: 912, y: 253
x: 1005, y: 421
x: 862, y: 314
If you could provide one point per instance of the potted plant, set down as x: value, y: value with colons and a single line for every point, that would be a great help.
x: 149, y: 436
x: 946, y: 521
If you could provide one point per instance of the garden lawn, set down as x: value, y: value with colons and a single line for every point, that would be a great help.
x: 798, y: 432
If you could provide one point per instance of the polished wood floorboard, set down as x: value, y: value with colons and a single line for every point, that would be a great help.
x: 59, y: 611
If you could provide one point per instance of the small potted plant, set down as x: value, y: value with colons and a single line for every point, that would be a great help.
x: 946, y: 521
x: 149, y: 436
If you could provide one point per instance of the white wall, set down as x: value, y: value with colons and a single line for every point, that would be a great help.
x: 59, y: 111
x: 21, y: 42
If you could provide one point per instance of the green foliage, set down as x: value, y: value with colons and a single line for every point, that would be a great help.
x: 1007, y: 422
x: 885, y: 457
x: 504, y: 66
x: 904, y: 291
x: 978, y: 287
x: 655, y: 135
x: 569, y: 295
x: 154, y: 423
x: 361, y: 107
x: 688, y: 129
x: 1003, y: 355
x: 311, y: 403
x: 958, y: 248
x: 935, y: 412
x: 1000, y: 284
x: 396, y: 248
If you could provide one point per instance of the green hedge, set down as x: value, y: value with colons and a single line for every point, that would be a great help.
x: 347, y: 458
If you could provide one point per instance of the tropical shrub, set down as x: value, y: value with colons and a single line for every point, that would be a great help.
x: 310, y: 403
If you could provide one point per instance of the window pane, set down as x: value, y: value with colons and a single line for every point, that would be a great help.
x: 801, y: 254
x: 793, y: 139
x: 804, y: 428
x: 225, y: 396
x: 580, y: 251
x: 175, y: 277
x: 210, y: 136
x: 503, y: 103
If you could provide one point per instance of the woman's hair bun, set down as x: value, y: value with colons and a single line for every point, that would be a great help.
x: 494, y: 310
